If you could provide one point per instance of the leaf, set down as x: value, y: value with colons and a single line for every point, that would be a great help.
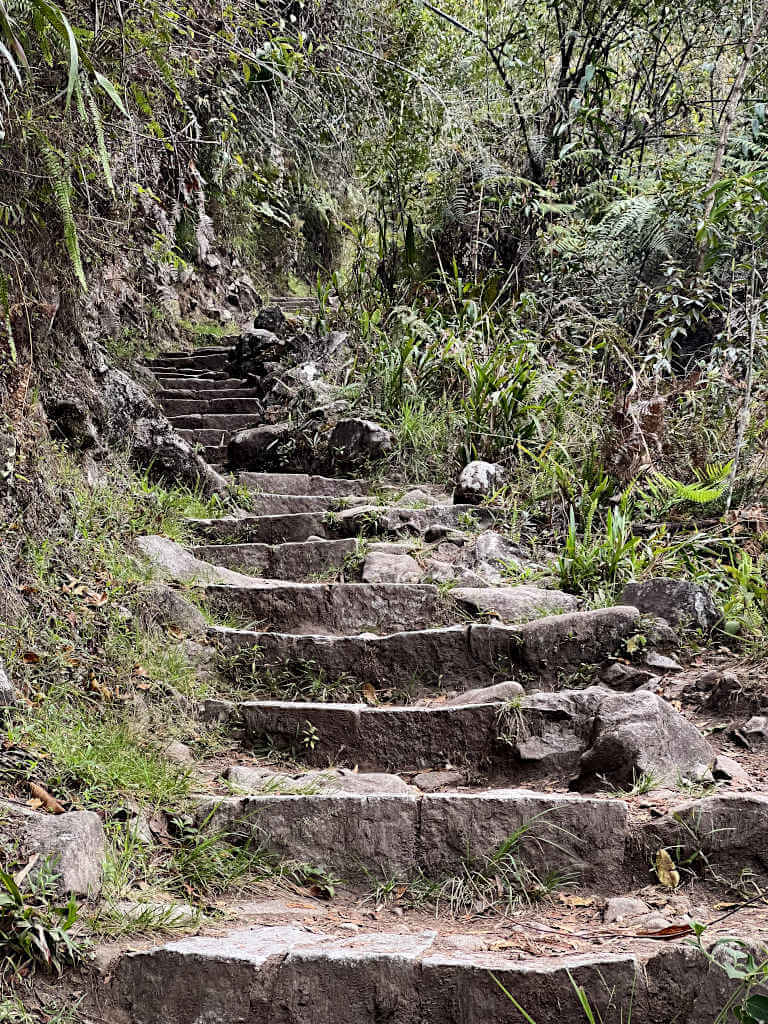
x: 666, y: 872
x: 755, y: 1010
x: 571, y: 900
x: 111, y: 91
x: 370, y: 694
x: 49, y: 802
x: 31, y: 657
x: 672, y: 931
x: 5, y: 52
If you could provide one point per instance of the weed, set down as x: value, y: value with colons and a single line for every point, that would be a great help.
x: 645, y: 782
x: 35, y: 931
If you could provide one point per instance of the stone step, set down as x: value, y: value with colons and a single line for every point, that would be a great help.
x: 280, y: 561
x: 213, y: 421
x: 214, y: 438
x: 197, y: 383
x: 432, y: 974
x: 174, y: 407
x: 584, y: 838
x: 539, y: 653
x: 368, y: 520
x: 266, y: 504
x: 344, y: 608
x: 206, y: 394
x: 302, y: 483
x: 585, y: 739
x: 184, y: 360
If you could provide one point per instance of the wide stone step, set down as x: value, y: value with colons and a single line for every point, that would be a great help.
x: 280, y: 561
x: 539, y: 653
x: 292, y: 975
x: 377, y: 607
x: 213, y: 421
x: 205, y: 437
x: 212, y: 361
x: 587, y: 739
x: 303, y: 483
x: 195, y: 383
x: 210, y: 406
x: 265, y: 504
x: 367, y: 520
x: 434, y: 833
x: 205, y: 394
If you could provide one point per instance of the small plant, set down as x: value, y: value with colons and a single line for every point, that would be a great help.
x: 34, y: 931
x: 310, y: 737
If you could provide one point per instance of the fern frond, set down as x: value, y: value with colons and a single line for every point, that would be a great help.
x: 101, y: 145
x: 709, y: 486
x: 62, y: 192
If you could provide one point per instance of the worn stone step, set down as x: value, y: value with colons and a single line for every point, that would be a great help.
x: 586, y: 739
x: 198, y: 383
x: 280, y: 561
x: 433, y: 833
x: 345, y: 608
x: 174, y: 407
x: 205, y: 437
x: 368, y: 520
x: 184, y: 360
x: 212, y: 421
x: 204, y: 394
x: 266, y: 504
x: 290, y: 974
x: 540, y: 653
x: 303, y: 483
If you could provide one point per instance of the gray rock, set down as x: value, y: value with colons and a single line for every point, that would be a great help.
x: 679, y: 602
x: 756, y: 729
x: 160, y: 607
x: 7, y: 689
x: 477, y: 481
x: 270, y: 446
x: 179, y: 565
x: 620, y: 676
x: 178, y: 752
x: 621, y: 908
x: 391, y: 567
x: 73, y: 844
x: 354, y: 442
x: 730, y: 770
x: 515, y: 604
x: 499, y: 693
x: 433, y: 782
x: 662, y: 662
x: 330, y: 780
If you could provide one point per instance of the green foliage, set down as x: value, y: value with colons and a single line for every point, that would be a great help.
x: 34, y: 931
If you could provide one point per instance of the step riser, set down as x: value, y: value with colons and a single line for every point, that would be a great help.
x: 436, y: 833
x: 303, y: 483
x: 334, y: 609
x: 210, y: 421
x: 211, y: 438
x: 540, y: 653
x: 282, y: 561
x: 290, y: 975
x: 215, y: 361
x: 263, y: 530
x: 173, y: 407
x: 205, y: 394
x: 197, y: 384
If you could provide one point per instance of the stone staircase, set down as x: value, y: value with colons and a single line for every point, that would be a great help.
x: 463, y: 782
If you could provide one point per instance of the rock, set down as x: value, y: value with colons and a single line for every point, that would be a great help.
x: 7, y: 690
x: 160, y: 607
x: 179, y: 753
x: 637, y: 734
x: 477, y: 481
x: 515, y: 604
x: 331, y: 780
x: 726, y: 689
x: 218, y: 712
x: 662, y: 663
x: 756, y: 729
x: 354, y: 442
x: 182, y: 567
x: 679, y: 602
x: 391, y: 567
x: 72, y: 844
x: 731, y: 771
x: 269, y: 446
x: 432, y: 782
x: 501, y: 692
x: 620, y: 676
x: 620, y: 908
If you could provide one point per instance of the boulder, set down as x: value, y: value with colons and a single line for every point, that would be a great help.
x: 160, y: 607
x: 606, y: 736
x: 72, y: 844
x: 354, y: 442
x: 391, y: 567
x: 265, y: 447
x: 433, y: 782
x: 679, y: 602
x: 477, y: 481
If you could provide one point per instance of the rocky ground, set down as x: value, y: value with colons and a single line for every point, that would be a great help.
x: 495, y: 788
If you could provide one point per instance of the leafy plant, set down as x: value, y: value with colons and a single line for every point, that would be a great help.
x: 34, y: 931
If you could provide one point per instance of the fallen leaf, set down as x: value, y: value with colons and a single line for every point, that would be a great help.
x: 576, y: 901
x: 31, y: 657
x: 35, y: 804
x: 370, y: 694
x: 672, y: 931
x: 666, y: 872
x: 49, y: 802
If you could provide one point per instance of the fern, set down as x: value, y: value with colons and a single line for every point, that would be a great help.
x: 101, y: 145
x: 708, y: 487
x: 62, y: 192
x: 5, y: 313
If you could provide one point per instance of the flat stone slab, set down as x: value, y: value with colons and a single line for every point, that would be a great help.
x: 265, y: 504
x: 252, y: 779
x: 304, y: 483
x: 433, y: 832
x: 298, y: 561
x: 178, y: 564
